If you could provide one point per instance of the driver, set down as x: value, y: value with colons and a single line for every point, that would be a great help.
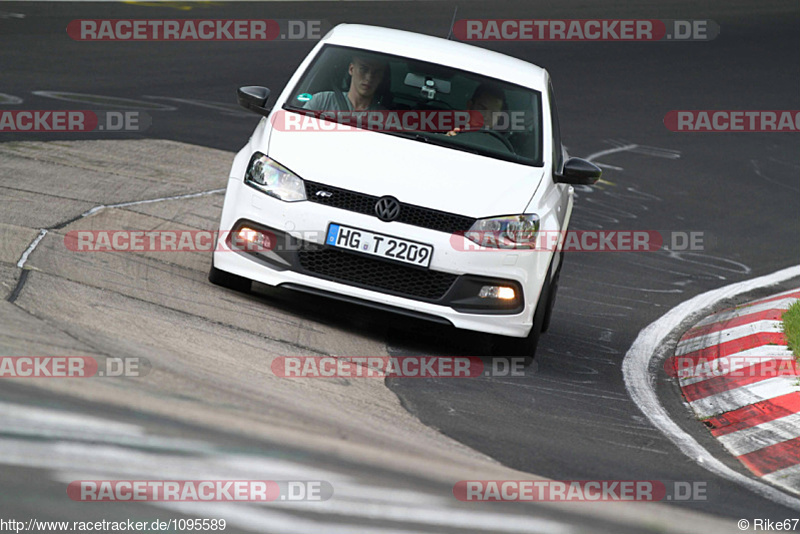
x: 366, y: 75
x: 489, y: 101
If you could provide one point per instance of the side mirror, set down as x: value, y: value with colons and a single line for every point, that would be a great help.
x: 578, y: 171
x: 254, y: 98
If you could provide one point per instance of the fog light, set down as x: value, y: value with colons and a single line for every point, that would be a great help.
x: 497, y: 292
x: 253, y: 239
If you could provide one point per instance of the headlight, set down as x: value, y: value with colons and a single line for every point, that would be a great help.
x: 514, y: 231
x: 274, y: 179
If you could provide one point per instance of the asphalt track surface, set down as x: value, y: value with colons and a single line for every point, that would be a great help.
x: 571, y: 419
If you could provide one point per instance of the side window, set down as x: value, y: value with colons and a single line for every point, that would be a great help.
x: 558, y: 154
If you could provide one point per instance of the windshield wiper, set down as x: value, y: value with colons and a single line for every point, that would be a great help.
x: 306, y: 111
x: 416, y: 136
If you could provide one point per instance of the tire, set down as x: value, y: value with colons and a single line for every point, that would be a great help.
x: 551, y: 301
x: 525, y: 347
x: 228, y: 280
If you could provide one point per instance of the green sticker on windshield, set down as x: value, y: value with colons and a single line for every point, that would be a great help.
x: 304, y: 97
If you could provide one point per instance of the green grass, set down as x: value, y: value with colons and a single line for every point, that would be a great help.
x: 791, y: 327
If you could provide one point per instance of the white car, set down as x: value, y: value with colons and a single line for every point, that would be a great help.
x: 421, y: 218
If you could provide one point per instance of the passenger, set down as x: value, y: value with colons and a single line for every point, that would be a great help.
x: 489, y: 101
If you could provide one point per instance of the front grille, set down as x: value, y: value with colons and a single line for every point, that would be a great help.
x: 341, y: 198
x: 441, y: 221
x: 371, y: 273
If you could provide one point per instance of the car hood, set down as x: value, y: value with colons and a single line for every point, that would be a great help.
x: 412, y: 171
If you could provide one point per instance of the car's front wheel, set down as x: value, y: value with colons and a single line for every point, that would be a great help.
x: 525, y: 347
x: 231, y: 281
x: 551, y: 300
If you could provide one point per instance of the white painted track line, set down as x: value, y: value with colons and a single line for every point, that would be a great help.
x: 789, y: 477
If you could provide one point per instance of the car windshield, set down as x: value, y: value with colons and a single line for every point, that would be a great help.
x: 423, y: 102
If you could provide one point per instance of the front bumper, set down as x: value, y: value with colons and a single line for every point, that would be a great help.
x: 287, y: 253
x: 447, y: 290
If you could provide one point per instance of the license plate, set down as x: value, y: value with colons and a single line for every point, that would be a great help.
x: 381, y: 245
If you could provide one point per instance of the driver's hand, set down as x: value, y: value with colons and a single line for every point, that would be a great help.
x: 453, y: 132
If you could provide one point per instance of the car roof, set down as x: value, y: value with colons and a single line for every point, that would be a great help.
x: 442, y: 51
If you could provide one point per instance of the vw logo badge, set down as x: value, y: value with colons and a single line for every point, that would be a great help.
x: 387, y: 208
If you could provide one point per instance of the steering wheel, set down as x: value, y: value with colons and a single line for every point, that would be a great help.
x: 437, y: 104
x: 498, y: 135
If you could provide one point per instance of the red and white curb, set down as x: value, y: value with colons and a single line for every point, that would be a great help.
x: 737, y: 374
x: 646, y: 355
